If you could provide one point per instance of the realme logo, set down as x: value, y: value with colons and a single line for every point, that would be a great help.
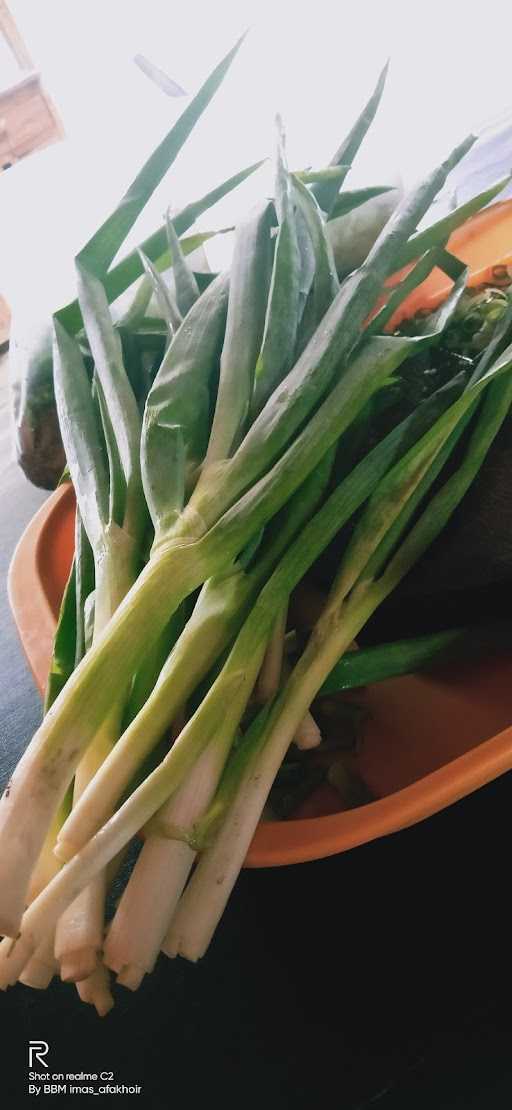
x: 37, y: 1050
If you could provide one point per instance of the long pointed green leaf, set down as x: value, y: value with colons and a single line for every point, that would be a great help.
x: 321, y: 529
x: 360, y: 483
x: 326, y: 192
x: 166, y: 303
x: 117, y: 482
x: 69, y: 641
x: 188, y: 245
x: 494, y: 410
x: 176, y: 418
x: 353, y: 198
x: 128, y: 269
x: 326, y: 284
x: 331, y: 635
x: 125, y: 272
x: 500, y: 340
x: 106, y: 351
x: 140, y: 301
x: 186, y: 286
x: 307, y: 271
x: 84, y: 583
x: 401, y: 657
x: 248, y: 294
x: 163, y: 471
x: 367, y: 372
x: 309, y: 380
x: 398, y: 494
x: 398, y: 294
x: 376, y: 361
x: 64, y: 644
x: 440, y: 231
x: 443, y: 439
x: 346, y: 499
x: 80, y: 434
x: 413, y: 493
x: 283, y: 306
x: 188, y: 215
x: 329, y: 173
x: 100, y: 251
x: 331, y: 632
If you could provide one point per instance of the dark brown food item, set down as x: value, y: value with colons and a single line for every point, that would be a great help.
x: 39, y: 449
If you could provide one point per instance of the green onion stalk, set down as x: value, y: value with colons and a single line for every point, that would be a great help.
x: 113, y: 512
x: 194, y: 653
x: 114, y: 545
x: 225, y: 510
x: 402, y: 657
x: 169, y: 310
x: 67, y: 650
x: 182, y: 747
x: 33, y: 353
x: 361, y: 587
x: 40, y: 969
x: 354, y: 597
x: 164, y: 863
x: 269, y: 678
x: 98, y: 254
x: 300, y: 220
x: 348, y: 498
x: 134, y: 938
x: 224, y: 601
x: 265, y: 373
x: 217, y: 617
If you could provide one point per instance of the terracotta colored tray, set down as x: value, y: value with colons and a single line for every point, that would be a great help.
x: 431, y: 739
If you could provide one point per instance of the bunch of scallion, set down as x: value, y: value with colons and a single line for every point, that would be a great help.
x: 201, y: 505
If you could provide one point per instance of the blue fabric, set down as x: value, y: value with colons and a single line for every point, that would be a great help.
x: 20, y: 704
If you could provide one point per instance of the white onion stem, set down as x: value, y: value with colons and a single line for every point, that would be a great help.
x: 95, y: 990
x: 205, y: 898
x: 162, y: 869
x: 40, y: 969
x: 269, y: 678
